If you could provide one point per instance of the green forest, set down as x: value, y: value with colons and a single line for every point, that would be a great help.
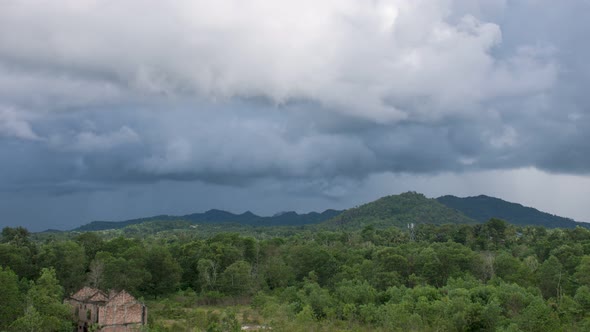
x: 492, y: 276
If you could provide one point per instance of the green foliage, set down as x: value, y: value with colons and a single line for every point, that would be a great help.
x: 509, y: 268
x: 483, y: 208
x: 582, y: 297
x: 91, y: 242
x: 399, y: 210
x: 236, y: 279
x: 160, y: 223
x: 44, y: 310
x: 537, y: 316
x: 119, y: 273
x: 18, y: 236
x: 69, y: 260
x: 19, y: 259
x: 310, y: 258
x: 165, y: 272
x: 452, y: 277
x: 582, y: 274
x: 551, y: 277
x: 10, y: 298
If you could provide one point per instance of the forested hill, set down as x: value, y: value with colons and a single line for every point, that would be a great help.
x: 399, y: 210
x: 218, y: 216
x: 394, y: 210
x: 482, y: 208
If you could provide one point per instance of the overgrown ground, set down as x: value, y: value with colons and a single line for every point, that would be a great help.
x: 483, y: 277
x: 185, y: 312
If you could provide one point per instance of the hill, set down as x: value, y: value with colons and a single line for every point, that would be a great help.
x: 399, y: 210
x: 394, y: 210
x: 218, y: 216
x: 482, y: 208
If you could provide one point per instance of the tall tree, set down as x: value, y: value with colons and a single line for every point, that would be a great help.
x: 164, y: 270
x: 69, y: 260
x: 20, y: 259
x: 582, y: 274
x: 18, y: 236
x: 551, y: 277
x: 119, y: 273
x: 91, y: 242
x: 236, y: 279
x: 10, y: 298
x: 45, y: 310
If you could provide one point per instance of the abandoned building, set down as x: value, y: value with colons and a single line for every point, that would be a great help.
x: 115, y: 312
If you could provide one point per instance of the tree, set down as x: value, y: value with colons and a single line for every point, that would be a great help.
x: 69, y: 260
x: 119, y: 273
x: 164, y: 270
x: 91, y: 242
x: 389, y: 260
x: 19, y: 259
x: 308, y: 258
x: 496, y: 230
x: 208, y: 270
x: 277, y: 273
x: 317, y: 298
x: 430, y: 267
x: 391, y: 268
x: 551, y: 277
x: 507, y: 267
x: 44, y: 308
x: 354, y: 294
x: 538, y: 317
x: 582, y: 274
x: 583, y: 297
x: 236, y: 279
x: 18, y: 236
x: 10, y: 298
x: 96, y: 273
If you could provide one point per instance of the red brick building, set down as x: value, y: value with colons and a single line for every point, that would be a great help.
x: 115, y: 312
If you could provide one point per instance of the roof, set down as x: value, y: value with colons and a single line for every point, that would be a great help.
x: 121, y: 297
x: 98, y: 297
x: 89, y: 294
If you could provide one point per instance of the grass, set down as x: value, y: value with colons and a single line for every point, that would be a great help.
x: 183, y: 313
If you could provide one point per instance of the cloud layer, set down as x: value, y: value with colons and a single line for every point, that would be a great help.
x: 384, y: 60
x: 99, y: 94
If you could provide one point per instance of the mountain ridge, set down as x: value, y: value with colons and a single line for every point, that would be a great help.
x: 391, y: 210
x: 483, y: 208
x: 399, y: 210
x: 220, y: 216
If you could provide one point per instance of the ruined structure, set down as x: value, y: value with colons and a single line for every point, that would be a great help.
x: 115, y: 312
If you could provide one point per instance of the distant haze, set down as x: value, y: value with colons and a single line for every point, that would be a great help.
x: 117, y: 110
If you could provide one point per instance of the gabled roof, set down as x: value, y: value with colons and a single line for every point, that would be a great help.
x: 98, y: 297
x: 121, y: 297
x: 89, y: 294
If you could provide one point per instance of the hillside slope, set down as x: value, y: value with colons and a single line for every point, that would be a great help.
x: 482, y: 208
x: 219, y: 216
x: 399, y: 210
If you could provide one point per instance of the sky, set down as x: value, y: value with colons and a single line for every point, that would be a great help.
x: 111, y: 110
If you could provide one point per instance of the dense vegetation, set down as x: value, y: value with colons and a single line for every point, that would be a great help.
x: 394, y: 210
x: 453, y: 277
x: 483, y: 208
x: 218, y: 216
x: 399, y: 210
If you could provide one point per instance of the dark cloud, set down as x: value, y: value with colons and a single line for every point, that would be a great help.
x: 305, y: 98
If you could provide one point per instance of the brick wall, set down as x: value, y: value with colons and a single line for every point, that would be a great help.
x: 112, y: 314
x: 121, y: 313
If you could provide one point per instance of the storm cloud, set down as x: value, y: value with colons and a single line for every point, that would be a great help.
x: 311, y: 98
